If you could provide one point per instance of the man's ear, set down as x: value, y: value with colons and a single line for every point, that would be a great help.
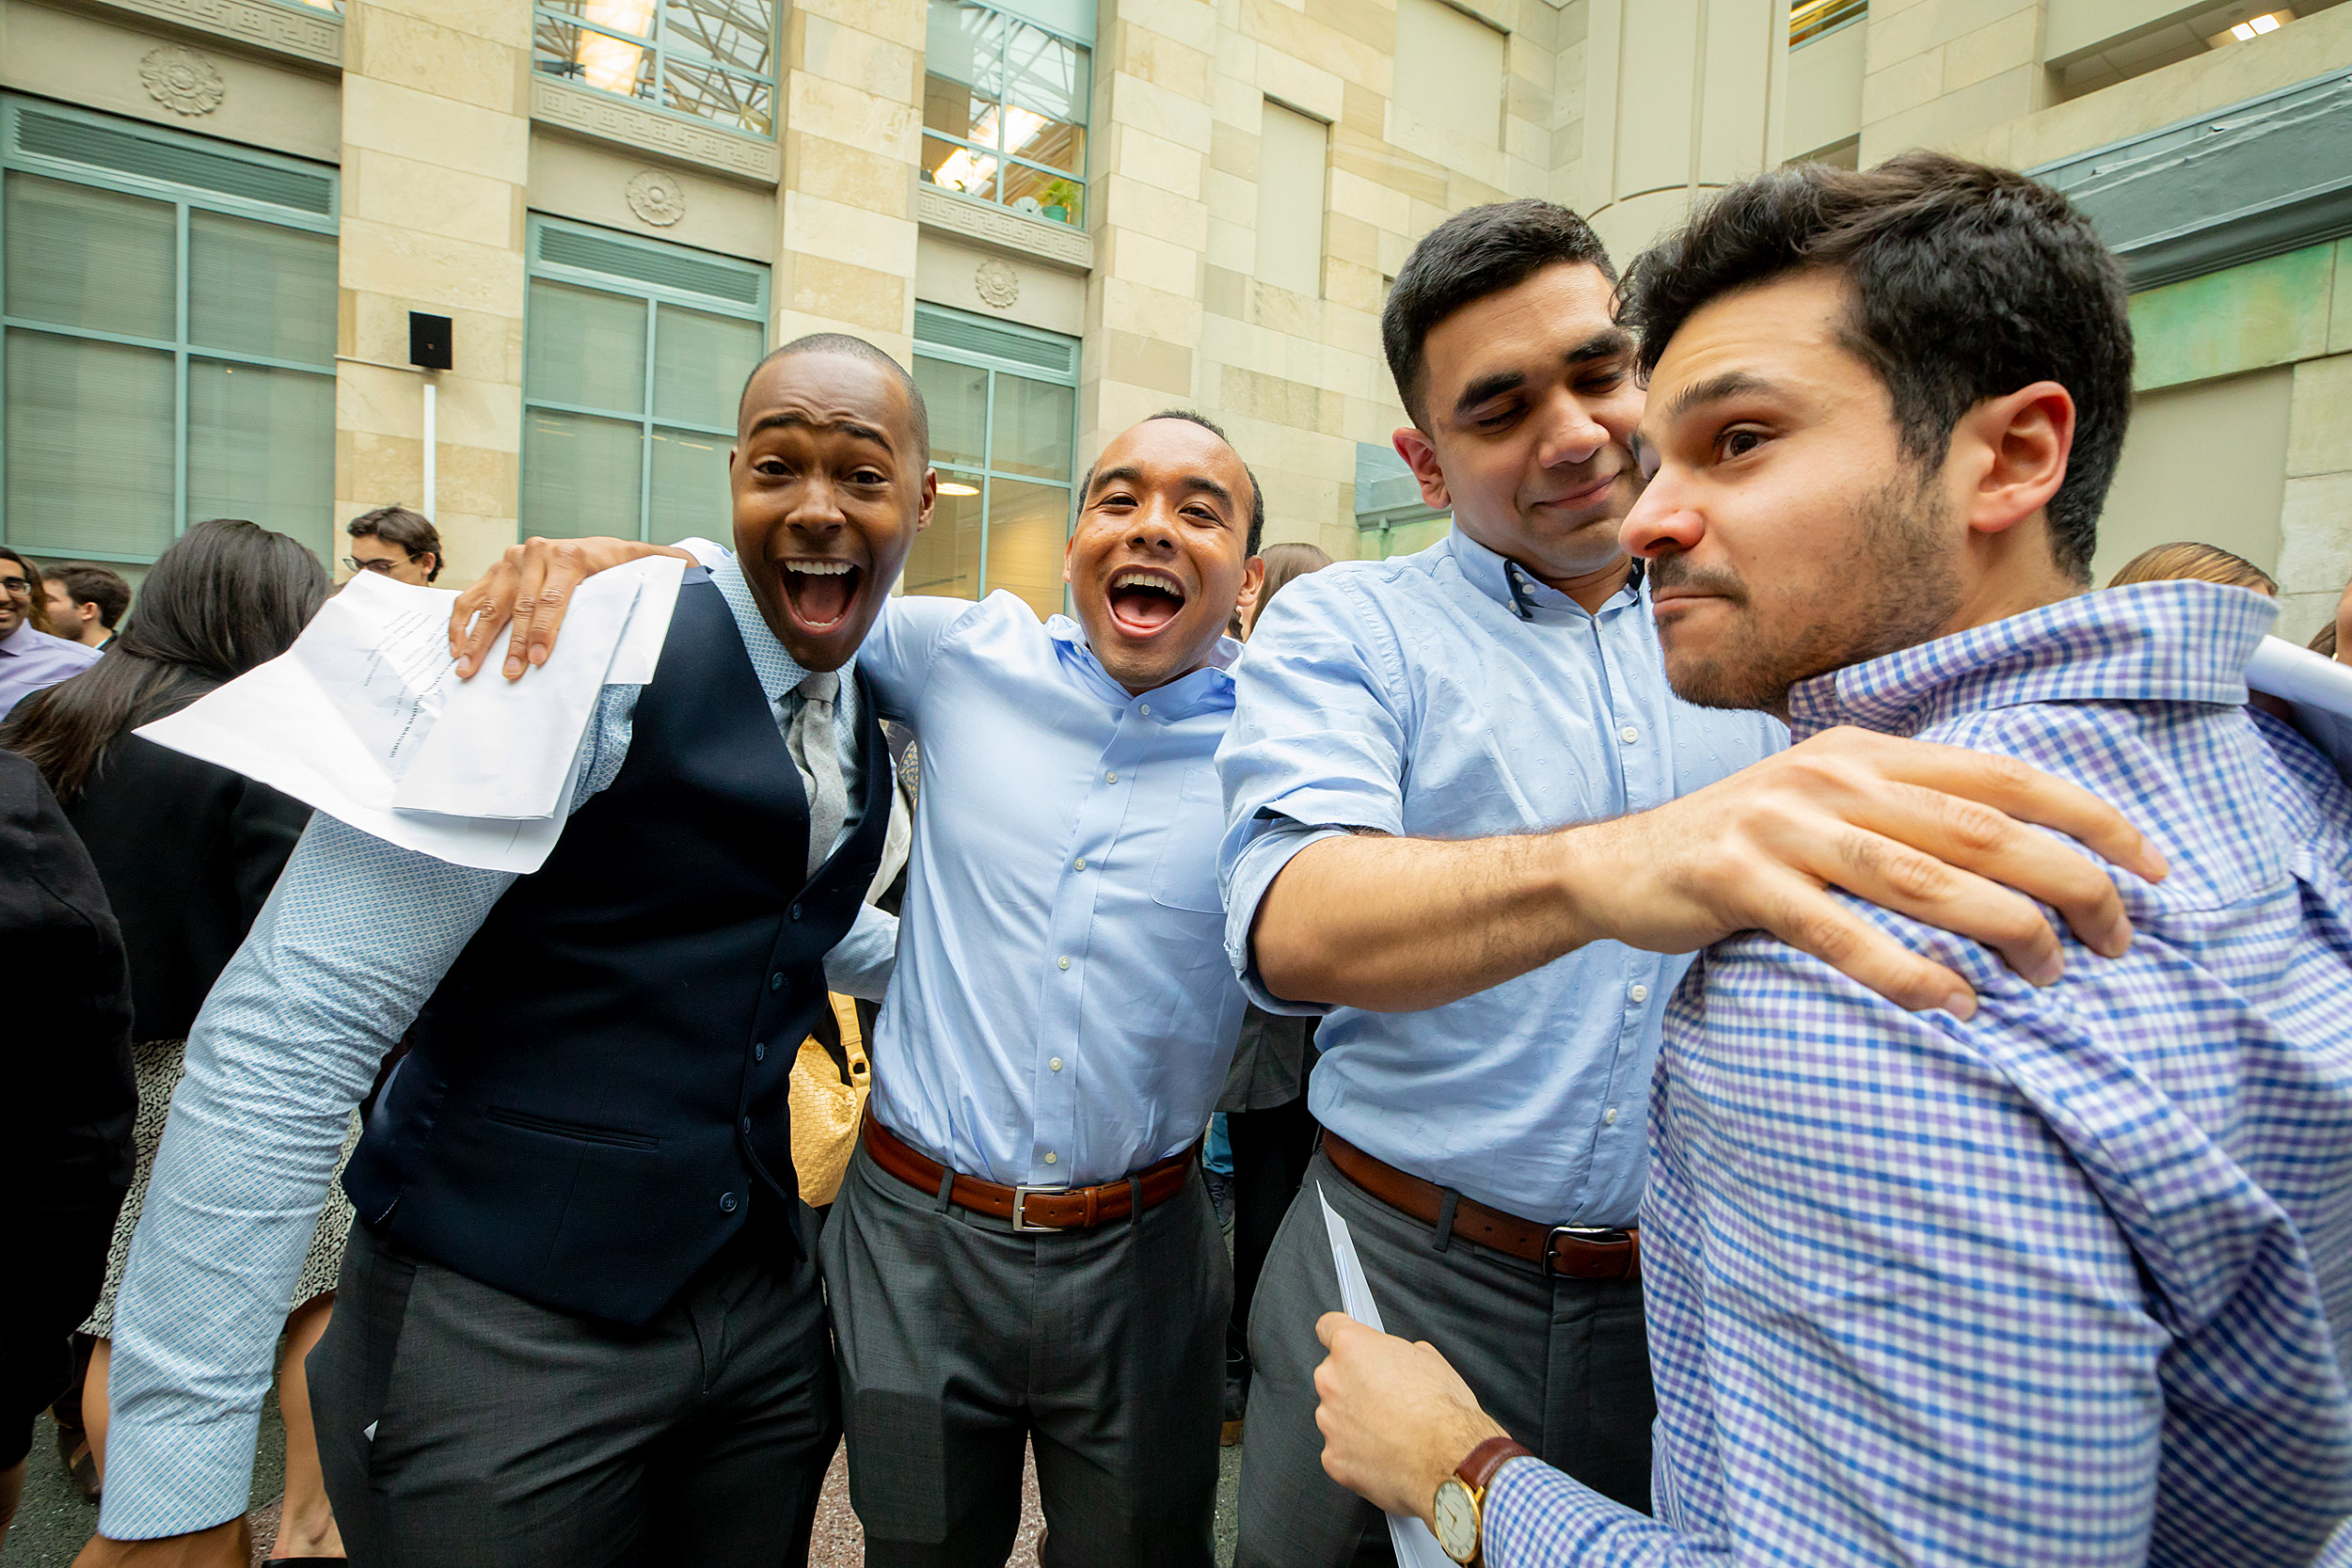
x: 1421, y: 457
x: 2012, y: 451
x: 1253, y: 584
x: 930, y: 499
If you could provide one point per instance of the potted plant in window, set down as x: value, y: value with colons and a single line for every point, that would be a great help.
x: 1060, y: 197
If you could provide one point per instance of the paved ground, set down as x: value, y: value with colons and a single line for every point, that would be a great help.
x: 53, y: 1521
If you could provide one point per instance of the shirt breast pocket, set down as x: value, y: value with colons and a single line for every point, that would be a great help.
x: 1185, y: 876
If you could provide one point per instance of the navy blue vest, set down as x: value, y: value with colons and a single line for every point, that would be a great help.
x: 595, y: 1094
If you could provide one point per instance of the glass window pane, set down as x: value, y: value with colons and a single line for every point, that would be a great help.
x: 89, y: 445
x: 722, y: 32
x: 690, y: 487
x: 1033, y: 428
x: 1046, y: 74
x: 591, y: 59
x: 1042, y: 194
x: 946, y: 556
x: 1028, y: 524
x: 956, y: 397
x: 965, y: 43
x: 580, y: 476
x: 742, y: 102
x: 699, y: 363
x: 262, y: 447
x: 959, y: 168
x: 257, y: 289
x: 586, y: 347
x: 92, y: 259
x: 1053, y: 142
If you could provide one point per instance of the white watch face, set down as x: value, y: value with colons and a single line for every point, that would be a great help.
x: 1457, y: 1520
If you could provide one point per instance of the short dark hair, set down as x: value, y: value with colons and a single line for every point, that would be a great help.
x: 1967, y: 282
x: 403, y: 530
x: 86, y: 582
x: 856, y: 348
x: 1257, y: 491
x: 1477, y: 252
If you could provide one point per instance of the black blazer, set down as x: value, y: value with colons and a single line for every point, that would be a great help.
x: 188, y: 851
x: 66, y: 1096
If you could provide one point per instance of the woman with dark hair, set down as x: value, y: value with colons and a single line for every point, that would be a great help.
x: 188, y: 851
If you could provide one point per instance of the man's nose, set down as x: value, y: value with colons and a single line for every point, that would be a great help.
x: 1664, y: 519
x: 1155, y: 525
x: 1569, y: 433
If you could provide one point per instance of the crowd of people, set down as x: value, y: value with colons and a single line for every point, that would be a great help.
x: 1829, y: 1041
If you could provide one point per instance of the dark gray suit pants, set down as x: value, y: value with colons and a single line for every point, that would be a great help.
x: 1563, y: 1363
x: 459, y: 1424
x: 958, y: 1338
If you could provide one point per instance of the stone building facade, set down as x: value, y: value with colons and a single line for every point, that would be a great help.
x: 222, y: 216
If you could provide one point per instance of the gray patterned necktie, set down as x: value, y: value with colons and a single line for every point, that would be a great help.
x: 810, y: 740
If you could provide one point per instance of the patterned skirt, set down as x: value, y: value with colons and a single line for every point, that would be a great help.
x: 157, y: 1066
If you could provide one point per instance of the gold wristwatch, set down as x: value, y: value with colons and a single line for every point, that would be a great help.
x: 1460, y: 1505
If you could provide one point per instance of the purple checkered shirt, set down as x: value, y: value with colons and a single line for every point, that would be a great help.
x: 2065, y: 1284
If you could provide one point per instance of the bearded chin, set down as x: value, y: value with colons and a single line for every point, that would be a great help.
x: 1897, y: 591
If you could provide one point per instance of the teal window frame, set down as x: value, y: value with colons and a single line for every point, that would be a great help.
x: 658, y: 51
x: 652, y: 295
x: 929, y: 347
x: 184, y: 199
x: 1082, y: 180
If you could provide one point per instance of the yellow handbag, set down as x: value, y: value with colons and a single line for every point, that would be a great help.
x: 826, y: 1107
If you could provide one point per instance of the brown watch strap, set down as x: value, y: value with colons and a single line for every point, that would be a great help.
x: 1478, y: 1470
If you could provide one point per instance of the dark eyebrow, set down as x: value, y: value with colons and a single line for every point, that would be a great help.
x: 799, y: 422
x: 1715, y: 388
x: 1610, y: 343
x: 1202, y: 482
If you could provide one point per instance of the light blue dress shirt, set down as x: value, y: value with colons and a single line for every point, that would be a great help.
x: 1062, y: 1011
x: 1449, y: 694
x: 351, y: 945
x: 30, y: 661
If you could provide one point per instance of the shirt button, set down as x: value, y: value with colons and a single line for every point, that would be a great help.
x: 747, y: 1124
x: 1082, y: 864
x: 1147, y: 708
x: 1629, y: 735
x: 1055, y: 1064
x: 775, y: 981
x: 1064, y: 962
x: 1111, y: 777
x: 1051, y: 1157
x: 759, y: 1050
x: 1638, y: 993
x: 796, y: 911
x: 727, y: 1203
x: 1610, y: 1116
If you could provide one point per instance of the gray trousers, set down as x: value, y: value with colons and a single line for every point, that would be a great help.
x: 459, y: 1424
x: 958, y: 1338
x: 1563, y: 1363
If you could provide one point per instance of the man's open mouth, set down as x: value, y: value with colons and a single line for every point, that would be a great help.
x: 821, y: 591
x: 1142, y: 601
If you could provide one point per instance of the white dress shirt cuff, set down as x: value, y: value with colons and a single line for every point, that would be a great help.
x: 860, y: 963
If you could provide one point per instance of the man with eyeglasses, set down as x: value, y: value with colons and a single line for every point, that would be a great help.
x: 30, y: 659
x: 398, y: 543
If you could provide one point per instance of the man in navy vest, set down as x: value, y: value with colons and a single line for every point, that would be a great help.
x: 580, y: 1321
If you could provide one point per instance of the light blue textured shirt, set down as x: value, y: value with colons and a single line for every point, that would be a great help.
x: 1062, y: 1011
x: 2070, y: 1283
x: 1449, y: 694
x: 351, y: 945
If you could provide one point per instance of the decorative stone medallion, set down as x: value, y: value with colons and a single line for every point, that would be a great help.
x: 996, y: 284
x: 658, y: 197
x: 182, y: 81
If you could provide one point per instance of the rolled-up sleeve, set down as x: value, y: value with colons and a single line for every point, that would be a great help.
x: 1316, y: 748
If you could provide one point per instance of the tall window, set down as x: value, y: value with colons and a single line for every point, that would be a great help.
x: 1293, y: 150
x: 1003, y: 402
x: 1005, y: 110
x: 714, y: 59
x: 168, y: 326
x: 634, y: 355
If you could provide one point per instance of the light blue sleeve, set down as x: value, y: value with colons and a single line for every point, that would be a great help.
x: 860, y: 963
x: 896, y: 656
x: 1317, y: 746
x: 353, y: 940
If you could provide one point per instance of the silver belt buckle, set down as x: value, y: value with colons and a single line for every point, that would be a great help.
x: 1606, y: 1235
x: 1020, y: 1202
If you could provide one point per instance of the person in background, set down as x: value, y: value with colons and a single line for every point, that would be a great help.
x: 2195, y: 562
x: 188, y: 852
x: 30, y: 656
x: 1269, y: 1134
x: 396, y: 541
x: 84, y: 602
x: 66, y: 1110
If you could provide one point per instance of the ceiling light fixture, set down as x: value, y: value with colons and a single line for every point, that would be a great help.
x: 949, y: 487
x: 2255, y: 26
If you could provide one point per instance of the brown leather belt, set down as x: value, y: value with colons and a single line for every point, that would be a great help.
x: 1577, y: 1251
x: 1032, y: 1208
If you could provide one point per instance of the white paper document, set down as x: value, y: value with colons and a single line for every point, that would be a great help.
x: 1415, y: 1545
x: 2317, y: 688
x: 364, y: 717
